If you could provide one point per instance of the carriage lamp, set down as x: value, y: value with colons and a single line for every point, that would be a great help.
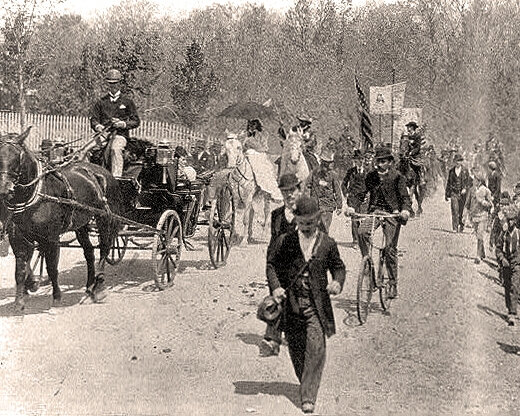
x: 164, y: 155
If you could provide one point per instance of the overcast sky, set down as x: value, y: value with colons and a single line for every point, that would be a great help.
x: 175, y: 7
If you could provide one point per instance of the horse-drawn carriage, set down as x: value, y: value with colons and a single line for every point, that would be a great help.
x: 158, y: 210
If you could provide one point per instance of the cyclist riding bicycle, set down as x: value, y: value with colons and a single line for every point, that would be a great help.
x: 388, y: 195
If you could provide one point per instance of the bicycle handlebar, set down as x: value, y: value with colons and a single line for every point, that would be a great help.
x: 374, y: 215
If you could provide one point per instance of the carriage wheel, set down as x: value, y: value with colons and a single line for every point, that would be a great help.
x: 118, y: 250
x: 166, y: 250
x: 221, y: 227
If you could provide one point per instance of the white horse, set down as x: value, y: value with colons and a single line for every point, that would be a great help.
x: 246, y: 190
x: 292, y: 160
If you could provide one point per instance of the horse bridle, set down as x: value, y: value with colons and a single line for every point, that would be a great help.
x: 14, y: 175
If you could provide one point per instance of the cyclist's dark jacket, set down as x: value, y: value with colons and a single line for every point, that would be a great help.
x: 388, y: 194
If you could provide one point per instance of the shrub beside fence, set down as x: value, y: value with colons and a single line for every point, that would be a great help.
x: 77, y: 129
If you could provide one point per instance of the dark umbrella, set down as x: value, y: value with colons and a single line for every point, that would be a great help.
x: 248, y: 110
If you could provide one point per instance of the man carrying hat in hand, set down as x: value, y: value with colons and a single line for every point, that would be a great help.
x: 297, y: 266
x: 116, y: 112
x: 388, y: 194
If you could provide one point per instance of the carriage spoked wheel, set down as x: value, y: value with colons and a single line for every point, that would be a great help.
x: 221, y: 227
x: 166, y: 250
x: 118, y: 250
x: 365, y: 287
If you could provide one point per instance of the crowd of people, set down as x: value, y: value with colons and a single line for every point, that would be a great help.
x: 372, y: 179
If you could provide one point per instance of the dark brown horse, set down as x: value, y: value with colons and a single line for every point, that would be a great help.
x: 40, y: 210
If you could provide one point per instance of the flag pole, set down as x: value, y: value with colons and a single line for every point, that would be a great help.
x: 392, y: 110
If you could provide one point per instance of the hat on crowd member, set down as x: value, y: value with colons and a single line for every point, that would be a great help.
x: 307, y: 207
x: 492, y: 165
x: 288, y: 181
x: 412, y: 124
x: 357, y: 154
x: 511, y: 213
x: 230, y: 135
x: 505, y: 198
x: 112, y: 76
x: 327, y: 155
x: 384, y: 152
x: 180, y: 152
x: 458, y: 157
x: 305, y: 118
x: 516, y: 189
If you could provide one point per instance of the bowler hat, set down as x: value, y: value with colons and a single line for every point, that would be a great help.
x: 269, y: 310
x: 113, y: 76
x: 412, y: 124
x: 384, y: 153
x: 458, y: 157
x: 307, y: 206
x: 288, y: 181
x: 305, y: 118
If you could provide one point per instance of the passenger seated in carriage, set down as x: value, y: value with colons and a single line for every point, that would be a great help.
x: 184, y: 171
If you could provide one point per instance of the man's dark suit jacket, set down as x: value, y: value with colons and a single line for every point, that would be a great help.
x: 279, y: 223
x: 393, y: 187
x: 454, y: 184
x: 285, y: 260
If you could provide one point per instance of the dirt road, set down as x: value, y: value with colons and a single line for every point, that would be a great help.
x: 193, y: 349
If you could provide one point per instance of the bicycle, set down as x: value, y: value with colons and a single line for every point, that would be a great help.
x: 370, y: 279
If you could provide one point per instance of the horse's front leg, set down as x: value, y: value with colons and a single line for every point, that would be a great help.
x: 23, y: 251
x: 88, y: 252
x: 52, y: 257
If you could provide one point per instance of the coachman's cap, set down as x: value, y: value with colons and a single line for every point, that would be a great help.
x: 113, y: 76
x: 307, y: 206
x: 288, y: 181
x: 384, y: 153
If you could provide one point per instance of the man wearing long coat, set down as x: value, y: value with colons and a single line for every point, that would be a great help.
x: 297, y: 265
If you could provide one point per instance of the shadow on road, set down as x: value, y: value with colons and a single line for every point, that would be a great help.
x: 443, y: 230
x: 37, y: 304
x: 461, y: 256
x: 276, y: 388
x: 509, y: 349
x: 488, y: 276
x: 250, y: 338
x: 491, y: 312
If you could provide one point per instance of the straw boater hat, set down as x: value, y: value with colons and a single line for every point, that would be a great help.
x: 112, y: 76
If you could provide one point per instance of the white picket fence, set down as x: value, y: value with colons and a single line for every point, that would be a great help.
x: 77, y: 129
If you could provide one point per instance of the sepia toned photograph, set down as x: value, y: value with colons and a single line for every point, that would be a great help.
x: 259, y: 207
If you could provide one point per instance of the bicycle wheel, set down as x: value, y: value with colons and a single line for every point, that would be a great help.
x: 383, y: 283
x: 365, y: 287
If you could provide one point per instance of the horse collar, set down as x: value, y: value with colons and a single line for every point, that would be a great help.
x: 35, y: 197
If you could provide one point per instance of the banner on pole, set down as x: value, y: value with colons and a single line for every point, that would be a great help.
x: 388, y: 99
x: 407, y: 115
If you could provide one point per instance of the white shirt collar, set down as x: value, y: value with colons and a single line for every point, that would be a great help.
x: 307, y: 244
x: 458, y: 169
x: 114, y: 97
x: 289, y: 216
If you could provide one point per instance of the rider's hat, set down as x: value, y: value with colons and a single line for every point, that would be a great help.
x: 288, y: 181
x: 327, y: 155
x: 458, y: 157
x: 307, y: 207
x: 384, y: 152
x: 112, y: 76
x: 305, y: 118
x: 412, y: 124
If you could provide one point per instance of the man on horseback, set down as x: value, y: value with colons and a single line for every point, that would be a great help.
x: 309, y: 142
x: 117, y: 113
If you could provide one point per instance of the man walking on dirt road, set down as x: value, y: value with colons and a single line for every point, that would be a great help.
x: 297, y: 265
x: 457, y: 187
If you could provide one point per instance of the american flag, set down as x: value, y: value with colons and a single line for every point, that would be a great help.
x: 366, y: 124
